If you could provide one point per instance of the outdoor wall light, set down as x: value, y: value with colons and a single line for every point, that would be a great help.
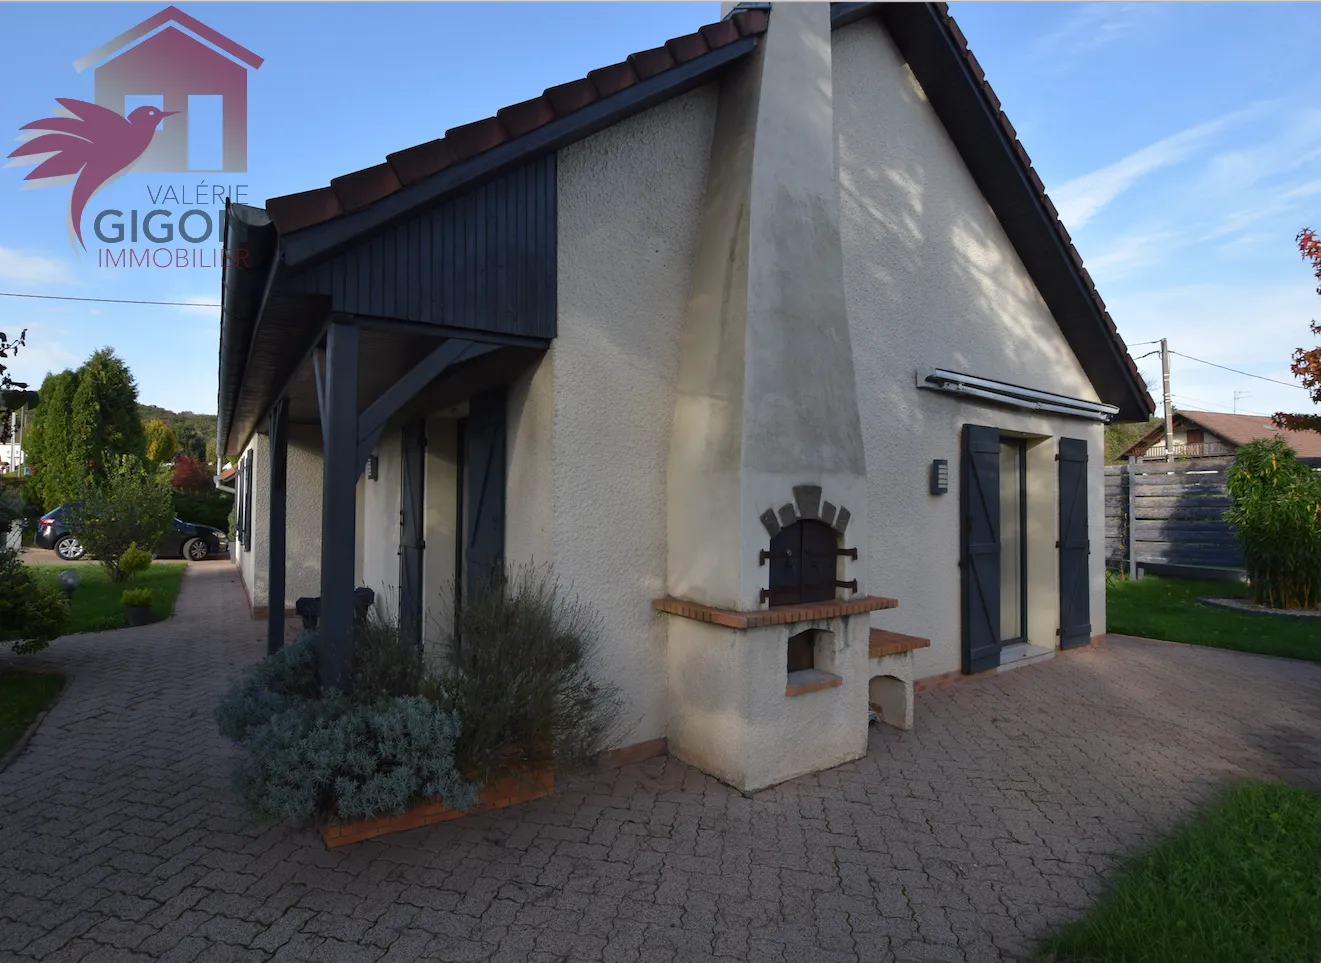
x: 939, y: 476
x: 69, y: 581
x: 373, y: 467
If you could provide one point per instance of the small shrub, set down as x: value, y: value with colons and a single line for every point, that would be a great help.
x: 1277, y: 515
x: 134, y: 598
x: 357, y: 761
x: 272, y: 686
x: 32, y: 614
x: 520, y: 676
x: 385, y: 664
x: 131, y: 506
x: 134, y: 560
x: 314, y: 752
x: 43, y: 615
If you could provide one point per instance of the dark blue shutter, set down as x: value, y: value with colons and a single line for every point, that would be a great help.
x: 484, y: 457
x: 247, y: 504
x: 411, y: 544
x: 1075, y: 549
x: 980, y: 503
x: 238, y: 503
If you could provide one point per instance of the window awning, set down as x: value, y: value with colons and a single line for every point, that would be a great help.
x: 1016, y: 396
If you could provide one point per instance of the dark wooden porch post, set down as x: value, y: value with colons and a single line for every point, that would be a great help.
x: 275, y: 576
x: 339, y: 482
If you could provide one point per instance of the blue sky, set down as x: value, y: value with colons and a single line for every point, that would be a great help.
x: 1177, y: 141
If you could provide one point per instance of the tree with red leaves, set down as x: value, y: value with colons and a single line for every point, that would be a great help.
x: 190, y: 474
x: 1307, y: 362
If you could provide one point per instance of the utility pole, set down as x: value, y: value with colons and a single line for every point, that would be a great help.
x: 1238, y: 395
x: 1165, y: 384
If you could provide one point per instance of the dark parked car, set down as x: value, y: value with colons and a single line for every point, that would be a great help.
x: 186, y: 540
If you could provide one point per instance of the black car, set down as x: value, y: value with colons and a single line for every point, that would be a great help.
x: 186, y: 540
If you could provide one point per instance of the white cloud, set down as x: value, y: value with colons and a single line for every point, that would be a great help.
x: 1249, y: 325
x: 23, y: 268
x: 1092, y: 26
x: 1080, y: 199
x: 1131, y: 252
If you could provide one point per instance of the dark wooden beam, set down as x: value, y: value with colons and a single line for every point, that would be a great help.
x: 277, y: 540
x: 339, y: 483
x: 424, y: 328
x: 373, y: 421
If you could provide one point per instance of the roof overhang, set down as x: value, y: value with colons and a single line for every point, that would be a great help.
x: 1014, y: 396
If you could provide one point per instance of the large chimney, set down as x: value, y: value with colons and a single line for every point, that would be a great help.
x: 767, y: 398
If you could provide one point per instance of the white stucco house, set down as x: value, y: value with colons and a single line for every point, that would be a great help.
x: 767, y: 339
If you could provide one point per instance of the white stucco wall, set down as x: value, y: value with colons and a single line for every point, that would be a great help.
x: 303, y: 519
x: 930, y: 278
x: 438, y: 507
x: 590, y: 426
x: 380, y: 532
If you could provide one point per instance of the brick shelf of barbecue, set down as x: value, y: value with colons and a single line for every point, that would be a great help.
x: 883, y: 643
x: 780, y: 615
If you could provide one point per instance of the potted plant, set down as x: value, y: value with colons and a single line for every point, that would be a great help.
x: 137, y: 605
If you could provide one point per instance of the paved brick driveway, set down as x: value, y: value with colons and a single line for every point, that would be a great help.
x: 961, y: 841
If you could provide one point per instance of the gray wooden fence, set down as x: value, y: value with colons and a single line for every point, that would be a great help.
x: 1170, y: 515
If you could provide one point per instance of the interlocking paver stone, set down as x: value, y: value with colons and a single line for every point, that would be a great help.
x: 996, y: 818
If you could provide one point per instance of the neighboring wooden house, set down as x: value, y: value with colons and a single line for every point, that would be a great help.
x: 748, y: 336
x: 1212, y: 434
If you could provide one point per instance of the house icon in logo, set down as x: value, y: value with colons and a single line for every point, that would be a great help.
x: 173, y: 59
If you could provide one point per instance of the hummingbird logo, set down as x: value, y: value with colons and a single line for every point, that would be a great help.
x: 93, y: 144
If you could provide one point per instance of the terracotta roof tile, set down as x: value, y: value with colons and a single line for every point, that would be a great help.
x: 751, y: 23
x: 360, y: 189
x: 296, y: 211
x: 472, y: 139
x: 575, y: 95
x: 355, y: 191
x: 414, y: 163
x: 717, y: 35
x: 529, y: 115
x: 613, y: 79
x: 649, y: 63
x: 686, y: 48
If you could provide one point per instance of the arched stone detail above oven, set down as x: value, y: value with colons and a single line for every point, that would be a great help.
x: 807, y: 503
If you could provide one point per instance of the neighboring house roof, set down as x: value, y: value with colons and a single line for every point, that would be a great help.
x: 228, y: 472
x: 1236, y: 431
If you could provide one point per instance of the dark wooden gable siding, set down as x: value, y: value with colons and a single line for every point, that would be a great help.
x: 484, y: 259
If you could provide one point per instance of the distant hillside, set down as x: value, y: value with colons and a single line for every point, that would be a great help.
x: 195, y: 432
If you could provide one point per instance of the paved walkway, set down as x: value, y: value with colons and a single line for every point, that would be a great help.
x: 962, y: 841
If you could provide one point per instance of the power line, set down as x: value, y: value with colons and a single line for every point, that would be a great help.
x: 1219, y: 409
x: 63, y: 297
x: 1246, y: 374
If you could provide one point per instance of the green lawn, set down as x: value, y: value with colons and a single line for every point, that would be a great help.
x: 1241, y: 882
x: 97, y: 604
x: 22, y: 696
x: 1167, y: 608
